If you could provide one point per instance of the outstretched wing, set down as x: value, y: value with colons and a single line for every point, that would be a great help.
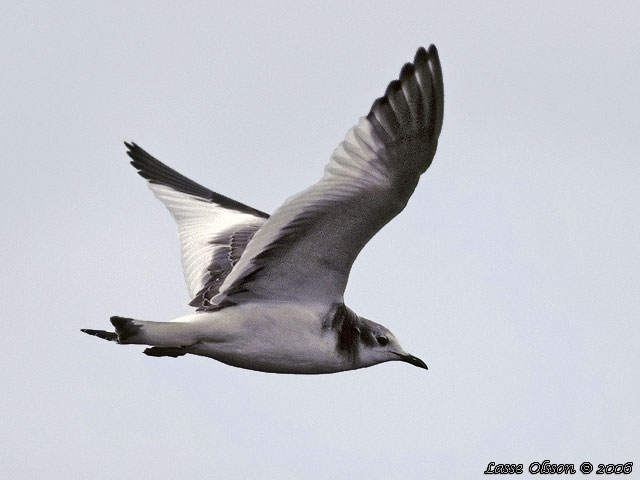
x: 305, y: 250
x: 214, y: 230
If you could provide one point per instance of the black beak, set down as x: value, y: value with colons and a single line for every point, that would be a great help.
x: 413, y: 361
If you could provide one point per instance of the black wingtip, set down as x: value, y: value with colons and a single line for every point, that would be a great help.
x: 407, y: 71
x: 393, y: 87
x: 413, y: 102
x: 153, y: 170
x: 433, y: 52
x: 438, y: 85
x: 421, y: 55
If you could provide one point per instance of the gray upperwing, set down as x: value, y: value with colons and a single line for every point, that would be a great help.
x: 305, y: 250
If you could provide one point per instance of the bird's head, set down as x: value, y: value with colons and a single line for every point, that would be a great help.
x: 378, y: 345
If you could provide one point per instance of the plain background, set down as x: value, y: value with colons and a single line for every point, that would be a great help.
x: 513, y: 272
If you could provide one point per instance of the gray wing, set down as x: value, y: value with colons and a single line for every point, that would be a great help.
x: 305, y: 250
x: 214, y: 230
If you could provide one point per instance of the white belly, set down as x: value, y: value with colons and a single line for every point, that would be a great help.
x: 276, y: 338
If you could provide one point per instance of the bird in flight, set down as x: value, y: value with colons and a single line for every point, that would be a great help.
x: 269, y: 289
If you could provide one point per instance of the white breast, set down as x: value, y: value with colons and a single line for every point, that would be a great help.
x: 270, y: 337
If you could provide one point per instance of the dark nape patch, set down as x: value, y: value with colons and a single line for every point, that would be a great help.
x: 174, y: 352
x: 350, y: 331
x: 125, y: 328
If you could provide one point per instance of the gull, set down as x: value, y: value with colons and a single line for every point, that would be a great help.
x: 269, y: 289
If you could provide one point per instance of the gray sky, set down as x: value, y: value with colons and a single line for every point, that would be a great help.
x: 513, y: 272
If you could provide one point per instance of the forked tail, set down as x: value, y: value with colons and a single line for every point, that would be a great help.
x: 141, y: 332
x: 169, y: 338
x: 127, y: 329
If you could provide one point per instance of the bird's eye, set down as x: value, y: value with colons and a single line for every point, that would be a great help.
x: 382, y: 340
